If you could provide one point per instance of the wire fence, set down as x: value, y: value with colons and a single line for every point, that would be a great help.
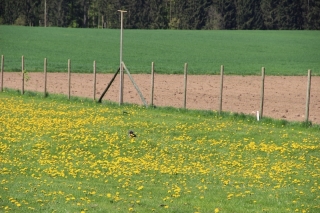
x: 183, y: 91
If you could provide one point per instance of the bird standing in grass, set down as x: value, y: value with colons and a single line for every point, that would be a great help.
x: 131, y: 134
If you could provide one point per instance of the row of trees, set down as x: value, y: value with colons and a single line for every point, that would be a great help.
x: 164, y: 14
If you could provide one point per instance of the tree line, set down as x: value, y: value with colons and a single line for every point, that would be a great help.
x: 165, y: 14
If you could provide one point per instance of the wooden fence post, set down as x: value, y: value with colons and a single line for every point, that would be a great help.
x: 262, y: 92
x: 22, y: 77
x: 221, y: 87
x: 185, y: 85
x: 308, y: 96
x: 94, y: 80
x: 152, y: 83
x: 2, y: 70
x: 69, y: 78
x: 45, y: 77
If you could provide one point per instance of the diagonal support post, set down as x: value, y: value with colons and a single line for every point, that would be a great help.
x: 111, y: 81
x: 135, y: 85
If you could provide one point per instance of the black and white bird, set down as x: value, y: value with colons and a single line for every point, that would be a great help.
x: 131, y: 134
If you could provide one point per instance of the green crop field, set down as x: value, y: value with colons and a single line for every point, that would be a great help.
x: 241, y: 52
x: 76, y: 156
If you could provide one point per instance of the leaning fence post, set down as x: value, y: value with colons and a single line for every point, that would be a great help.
x: 262, y: 91
x: 185, y: 85
x: 45, y: 77
x: 94, y: 80
x: 221, y: 87
x: 134, y: 84
x: 2, y: 70
x: 22, y: 77
x: 108, y: 86
x: 308, y: 96
x: 152, y: 83
x: 69, y: 78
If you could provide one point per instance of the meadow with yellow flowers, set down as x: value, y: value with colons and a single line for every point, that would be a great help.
x: 76, y: 156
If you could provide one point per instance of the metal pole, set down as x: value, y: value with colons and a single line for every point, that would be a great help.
x: 121, y: 67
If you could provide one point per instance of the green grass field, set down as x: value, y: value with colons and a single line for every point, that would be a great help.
x: 75, y: 156
x: 241, y: 52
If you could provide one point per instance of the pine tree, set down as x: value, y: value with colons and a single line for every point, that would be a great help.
x: 312, y: 15
x: 249, y: 15
x: 289, y: 15
x: 269, y: 14
x: 228, y: 13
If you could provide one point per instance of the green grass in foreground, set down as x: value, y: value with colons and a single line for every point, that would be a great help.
x: 76, y: 156
x: 241, y: 52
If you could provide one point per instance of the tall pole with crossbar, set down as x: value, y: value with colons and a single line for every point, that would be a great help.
x: 121, y: 67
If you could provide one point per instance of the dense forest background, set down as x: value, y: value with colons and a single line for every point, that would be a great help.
x: 165, y: 14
